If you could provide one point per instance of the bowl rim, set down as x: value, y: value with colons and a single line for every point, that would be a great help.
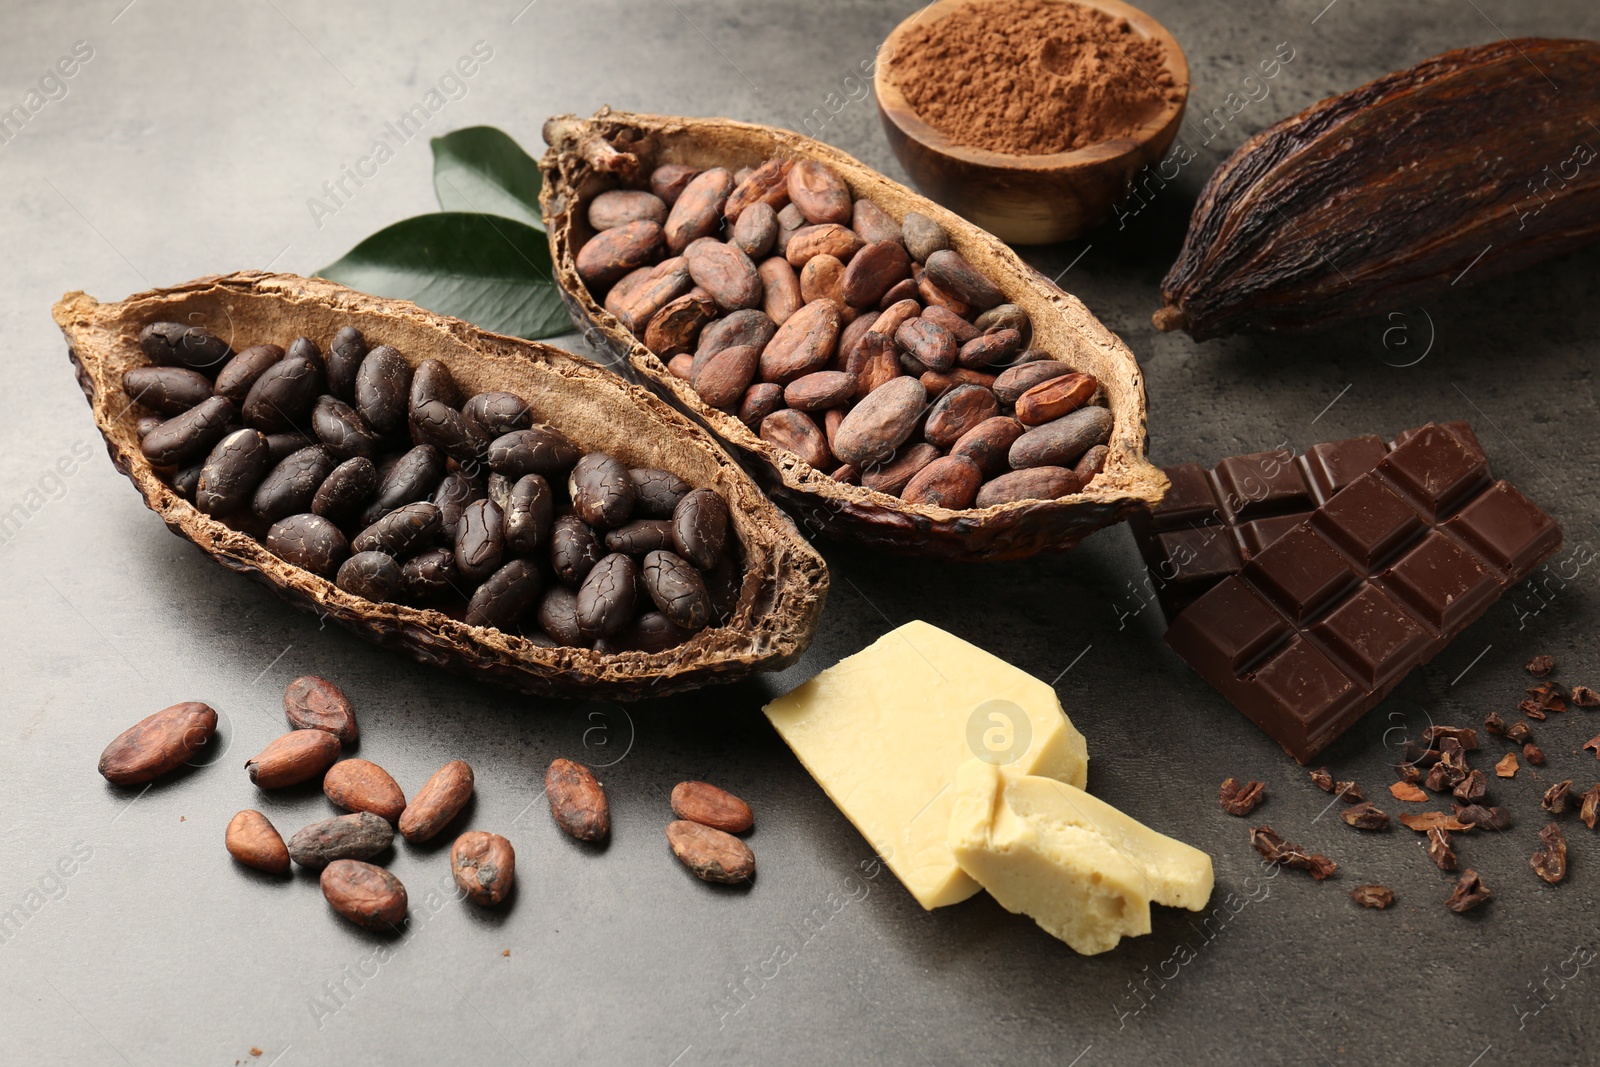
x: 894, y: 106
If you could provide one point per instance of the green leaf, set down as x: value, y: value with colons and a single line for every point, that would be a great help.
x: 493, y: 272
x: 481, y: 169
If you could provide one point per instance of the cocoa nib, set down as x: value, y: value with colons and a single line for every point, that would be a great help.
x: 1364, y: 816
x: 1584, y: 697
x: 1471, y: 788
x: 1535, y: 755
x: 1349, y: 792
x: 1241, y: 799
x: 1555, y: 798
x: 1465, y: 736
x: 1439, y: 850
x: 1496, y: 818
x: 1438, y: 778
x: 1539, y: 666
x: 1372, y: 896
x: 1407, y: 772
x: 1542, y: 698
x: 1495, y: 724
x: 1550, y: 862
x: 1591, y: 806
x: 1453, y: 759
x: 1322, y: 779
x: 1275, y: 849
x: 1519, y: 732
x: 1468, y: 893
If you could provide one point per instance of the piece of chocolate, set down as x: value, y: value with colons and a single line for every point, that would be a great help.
x: 1213, y: 522
x: 1320, y: 625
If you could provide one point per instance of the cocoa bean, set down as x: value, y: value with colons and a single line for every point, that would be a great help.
x: 906, y: 290
x: 359, y: 836
x: 704, y: 803
x: 727, y: 274
x: 238, y: 374
x: 700, y: 528
x: 988, y: 349
x: 948, y: 482
x: 537, y: 450
x: 828, y: 239
x: 1063, y: 440
x: 292, y: 485
x: 989, y: 443
x: 528, y: 514
x: 820, y: 390
x: 255, y: 842
x: 169, y: 390
x: 433, y: 381
x: 798, y: 433
x: 670, y: 179
x: 484, y: 865
x: 296, y: 757
x: 760, y: 400
x: 608, y: 596
x: 400, y: 531
x: 618, y: 207
x: 756, y: 230
x: 610, y: 254
x: 187, y: 437
x: 374, y: 576
x: 713, y: 855
x: 832, y: 419
x: 310, y: 542
x: 673, y: 329
x: 281, y: 399
x: 231, y: 473
x: 956, y: 412
x: 892, y: 477
x: 928, y: 343
x: 850, y: 339
x: 1036, y: 483
x: 933, y: 294
x: 577, y: 800
x: 658, y: 492
x: 681, y: 366
x: 766, y: 184
x: 667, y: 281
x: 1006, y: 317
x: 640, y: 537
x: 923, y: 236
x: 895, y: 315
x: 790, y: 222
x: 881, y: 422
x: 602, y: 491
x: 626, y: 288
x: 698, y: 210
x: 873, y: 224
x: 574, y: 549
x: 875, y: 364
x: 383, y: 385
x: 803, y: 344
x: 677, y: 589
x: 311, y: 702
x: 822, y: 278
x: 962, y: 330
x: 368, y: 896
x: 342, y: 430
x: 158, y: 743
x: 873, y: 271
x: 440, y: 799
x: 819, y: 193
x: 952, y: 273
x: 1054, y: 398
x: 781, y: 289
x: 173, y: 344
x: 748, y: 327
x: 558, y: 615
x: 1014, y: 381
x: 1092, y: 463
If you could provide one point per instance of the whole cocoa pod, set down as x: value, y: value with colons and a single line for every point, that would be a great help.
x: 1390, y: 194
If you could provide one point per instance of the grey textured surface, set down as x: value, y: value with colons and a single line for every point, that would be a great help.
x: 191, y: 142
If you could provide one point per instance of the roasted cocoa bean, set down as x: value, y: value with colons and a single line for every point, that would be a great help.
x: 436, y: 423
x: 345, y: 491
x: 432, y: 381
x: 484, y: 865
x: 255, y: 842
x: 528, y: 514
x: 383, y: 387
x: 881, y: 422
x: 414, y: 476
x: 558, y: 615
x: 290, y: 487
x: 280, y: 446
x: 506, y: 595
x: 577, y: 800
x: 533, y: 451
x: 480, y: 540
x: 677, y: 589
x: 297, y: 756
x: 573, y: 549
x: 652, y: 632
x: 281, y: 399
x: 169, y: 390
x: 428, y: 575
x: 345, y: 356
x: 158, y: 744
x: 602, y: 491
x: 361, y: 785
x: 935, y: 296
x: 497, y: 414
x: 608, y: 596
x: 342, y: 430
x: 1062, y: 441
x: 187, y: 437
x: 658, y: 492
x: 440, y: 799
x: 400, y: 532
x: 310, y: 542
x: 704, y: 803
x: 374, y: 576
x: 230, y: 474
x: 640, y: 536
x: 172, y: 344
x: 311, y: 702
x: 1035, y: 483
x: 713, y: 855
x: 366, y: 895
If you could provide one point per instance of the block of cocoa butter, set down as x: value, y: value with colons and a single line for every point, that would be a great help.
x: 1325, y: 618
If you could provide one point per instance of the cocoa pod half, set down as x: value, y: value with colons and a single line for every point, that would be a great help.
x: 1469, y: 165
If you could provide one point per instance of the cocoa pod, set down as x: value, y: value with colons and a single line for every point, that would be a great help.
x: 311, y: 702
x: 873, y: 271
x: 346, y: 837
x: 803, y: 344
x: 673, y: 329
x: 956, y: 412
x: 767, y: 184
x: 722, y: 379
x: 725, y: 272
x: 781, y: 289
x: 881, y: 422
x: 1388, y: 195
x: 948, y: 482
x: 610, y: 254
x: 1037, y: 483
x: 577, y: 800
x: 713, y: 855
x: 1055, y: 398
x: 829, y: 239
x: 707, y: 805
x: 158, y: 743
x: 798, y: 433
x: 1062, y: 441
x: 822, y: 278
x: 819, y: 193
x: 361, y: 785
x: 989, y: 443
x: 255, y: 842
x: 698, y: 210
x: 368, y: 896
x: 484, y: 865
x: 893, y: 476
x: 440, y: 799
x: 296, y: 757
x: 618, y: 207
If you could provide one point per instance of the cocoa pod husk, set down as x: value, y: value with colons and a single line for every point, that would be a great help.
x: 713, y: 855
x: 577, y: 800
x: 709, y: 805
x: 440, y: 799
x: 1390, y: 194
x: 158, y: 744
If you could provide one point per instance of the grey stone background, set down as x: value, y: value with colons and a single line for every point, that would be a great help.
x: 191, y: 142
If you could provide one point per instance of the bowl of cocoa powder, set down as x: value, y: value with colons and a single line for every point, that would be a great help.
x: 1030, y: 117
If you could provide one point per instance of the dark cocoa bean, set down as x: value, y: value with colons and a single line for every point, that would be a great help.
x: 442, y: 426
x: 383, y: 387
x: 505, y: 595
x: 658, y: 492
x: 533, y: 451
x: 345, y: 357
x: 372, y: 575
x: 497, y: 414
x: 169, y: 390
x: 700, y: 528
x: 677, y: 589
x: 188, y: 437
x: 358, y: 836
x: 558, y: 615
x: 951, y: 272
x: 172, y: 344
x: 480, y: 540
x: 640, y: 536
x: 431, y: 381
x: 413, y: 477
x: 342, y: 429
x: 428, y: 575
x: 401, y: 532
x: 281, y: 399
x: 230, y: 474
x: 608, y: 596
x: 602, y: 491
x: 346, y: 490
x: 528, y: 514
x: 291, y: 486
x: 652, y: 632
x: 310, y: 542
x: 573, y: 549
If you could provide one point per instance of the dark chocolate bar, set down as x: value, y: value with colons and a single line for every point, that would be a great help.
x: 1213, y: 522
x: 1326, y: 618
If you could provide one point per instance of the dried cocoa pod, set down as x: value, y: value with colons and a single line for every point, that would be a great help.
x: 158, y: 743
x: 577, y: 800
x: 1390, y: 194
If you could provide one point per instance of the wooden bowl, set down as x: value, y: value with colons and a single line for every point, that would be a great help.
x: 1027, y: 200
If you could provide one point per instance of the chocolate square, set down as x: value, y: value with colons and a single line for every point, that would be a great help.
x: 1507, y: 527
x: 1335, y: 464
x: 1263, y: 483
x: 1437, y: 468
x: 1230, y: 625
x: 1300, y: 573
x: 1373, y: 635
x: 1442, y: 582
x: 1369, y: 521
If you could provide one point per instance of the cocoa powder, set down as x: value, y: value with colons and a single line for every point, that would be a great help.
x: 1032, y: 77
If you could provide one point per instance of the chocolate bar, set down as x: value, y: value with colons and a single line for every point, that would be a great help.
x: 1323, y: 620
x: 1213, y: 522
